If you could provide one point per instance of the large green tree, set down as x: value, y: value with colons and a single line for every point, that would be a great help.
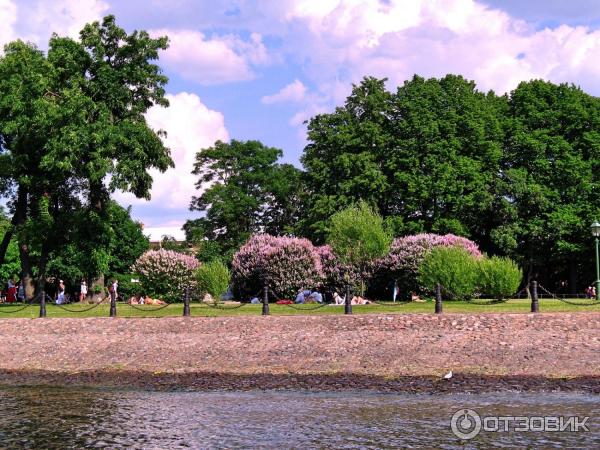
x: 550, y: 181
x: 126, y: 243
x: 245, y: 190
x: 73, y: 130
x: 517, y: 173
x: 426, y: 155
x: 11, y: 266
x: 345, y: 156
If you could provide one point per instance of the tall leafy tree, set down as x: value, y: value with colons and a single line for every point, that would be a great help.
x: 127, y: 243
x: 550, y: 181
x: 426, y: 155
x: 80, y: 132
x: 445, y: 158
x: 345, y: 155
x: 11, y: 266
x: 245, y: 190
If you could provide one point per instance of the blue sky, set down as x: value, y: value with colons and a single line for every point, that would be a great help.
x: 257, y: 69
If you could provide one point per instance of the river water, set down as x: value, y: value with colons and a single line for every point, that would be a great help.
x: 42, y: 417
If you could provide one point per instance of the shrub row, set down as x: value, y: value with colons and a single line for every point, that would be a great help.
x: 289, y: 264
x: 463, y: 275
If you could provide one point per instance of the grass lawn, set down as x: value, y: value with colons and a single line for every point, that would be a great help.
x: 123, y: 310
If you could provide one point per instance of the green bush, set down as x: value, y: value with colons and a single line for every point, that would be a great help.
x: 498, y: 277
x: 213, y: 277
x: 357, y: 236
x: 454, y: 268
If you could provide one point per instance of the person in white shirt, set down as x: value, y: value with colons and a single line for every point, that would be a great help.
x: 60, y: 299
x: 83, y: 291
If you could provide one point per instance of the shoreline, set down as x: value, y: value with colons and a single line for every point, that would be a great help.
x: 460, y: 383
x: 396, y: 353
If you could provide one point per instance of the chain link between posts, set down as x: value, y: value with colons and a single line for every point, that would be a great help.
x: 591, y: 302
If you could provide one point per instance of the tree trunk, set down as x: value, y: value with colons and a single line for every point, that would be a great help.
x: 98, y: 198
x: 26, y: 272
x: 99, y: 281
x: 573, y: 277
x: 41, y: 280
x: 19, y: 218
x: 5, y: 241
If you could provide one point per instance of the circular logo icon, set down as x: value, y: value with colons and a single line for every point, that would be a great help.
x: 465, y: 424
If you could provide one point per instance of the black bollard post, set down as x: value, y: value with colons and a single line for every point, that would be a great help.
x: 113, y: 305
x: 43, y: 304
x: 186, y: 302
x: 438, y: 298
x: 535, y: 304
x: 348, y: 302
x: 265, y: 308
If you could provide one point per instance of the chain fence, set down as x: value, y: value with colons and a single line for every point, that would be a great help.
x: 79, y: 310
x: 14, y: 311
x: 32, y: 302
x: 570, y: 301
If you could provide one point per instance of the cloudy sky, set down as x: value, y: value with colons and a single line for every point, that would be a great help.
x: 256, y: 69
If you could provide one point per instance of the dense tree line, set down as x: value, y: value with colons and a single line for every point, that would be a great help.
x: 516, y: 173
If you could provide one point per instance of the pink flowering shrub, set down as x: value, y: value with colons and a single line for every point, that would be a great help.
x: 334, y: 272
x: 287, y: 264
x: 165, y: 273
x: 408, y: 253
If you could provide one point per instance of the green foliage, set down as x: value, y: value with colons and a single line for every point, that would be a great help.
x: 549, y: 180
x: 498, y: 277
x: 124, y: 240
x: 518, y: 174
x: 245, y: 191
x: 213, y: 277
x: 357, y: 235
x: 127, y: 288
x: 210, y: 251
x: 455, y: 269
x: 426, y: 155
x: 73, y: 129
x: 170, y: 243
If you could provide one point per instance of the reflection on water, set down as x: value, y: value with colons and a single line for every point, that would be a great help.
x: 41, y: 417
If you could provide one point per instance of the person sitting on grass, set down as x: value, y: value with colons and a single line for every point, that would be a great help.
x: 316, y: 297
x: 415, y: 298
x: 60, y: 298
x: 338, y: 300
x: 147, y: 300
x: 300, y: 298
x: 358, y: 300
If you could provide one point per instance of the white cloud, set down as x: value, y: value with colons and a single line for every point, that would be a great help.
x: 215, y: 60
x: 157, y: 233
x: 337, y: 42
x: 293, y: 92
x: 190, y: 126
x: 8, y: 18
x: 64, y: 17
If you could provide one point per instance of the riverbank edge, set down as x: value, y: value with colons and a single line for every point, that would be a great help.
x: 215, y: 381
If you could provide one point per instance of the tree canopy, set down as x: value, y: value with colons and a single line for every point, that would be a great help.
x: 517, y: 173
x: 72, y: 130
x: 244, y: 191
